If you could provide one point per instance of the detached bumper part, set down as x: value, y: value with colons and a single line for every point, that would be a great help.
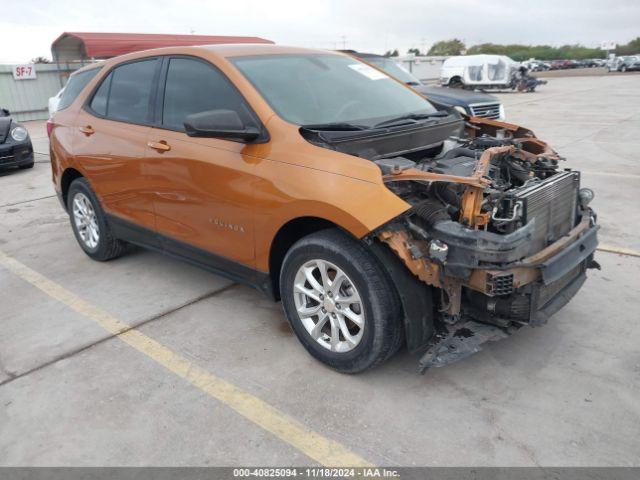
x: 459, y: 341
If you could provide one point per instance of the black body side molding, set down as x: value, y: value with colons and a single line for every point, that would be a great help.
x: 198, y: 257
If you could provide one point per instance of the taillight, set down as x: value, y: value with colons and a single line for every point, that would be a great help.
x: 50, y: 126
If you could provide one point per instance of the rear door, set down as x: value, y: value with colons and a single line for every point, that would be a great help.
x: 112, y: 142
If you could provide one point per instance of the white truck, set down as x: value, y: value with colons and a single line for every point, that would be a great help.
x: 478, y: 71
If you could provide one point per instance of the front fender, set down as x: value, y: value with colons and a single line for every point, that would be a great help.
x: 287, y: 192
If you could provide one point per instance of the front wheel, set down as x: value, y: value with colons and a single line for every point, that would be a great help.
x: 455, y: 82
x: 340, y: 303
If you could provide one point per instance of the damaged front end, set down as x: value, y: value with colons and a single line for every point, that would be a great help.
x: 497, y: 228
x: 498, y: 235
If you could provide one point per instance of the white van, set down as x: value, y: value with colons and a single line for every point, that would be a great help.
x: 54, y: 102
x: 478, y: 71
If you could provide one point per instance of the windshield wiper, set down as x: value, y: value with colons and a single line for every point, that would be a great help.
x: 411, y: 116
x: 335, y: 127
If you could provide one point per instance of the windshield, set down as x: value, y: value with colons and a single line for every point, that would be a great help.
x: 322, y: 89
x: 392, y: 68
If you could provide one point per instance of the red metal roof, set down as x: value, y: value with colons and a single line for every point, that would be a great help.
x: 106, y: 45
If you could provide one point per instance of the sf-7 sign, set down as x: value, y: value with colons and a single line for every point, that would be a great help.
x: 24, y: 72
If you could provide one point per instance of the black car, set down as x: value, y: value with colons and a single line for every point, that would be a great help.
x: 472, y: 103
x: 15, y: 145
x: 588, y: 63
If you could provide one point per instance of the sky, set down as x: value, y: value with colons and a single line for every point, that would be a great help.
x: 28, y: 27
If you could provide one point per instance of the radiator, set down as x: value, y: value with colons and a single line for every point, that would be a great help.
x: 552, y: 205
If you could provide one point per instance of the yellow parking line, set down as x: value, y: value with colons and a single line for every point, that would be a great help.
x: 621, y: 250
x: 321, y: 449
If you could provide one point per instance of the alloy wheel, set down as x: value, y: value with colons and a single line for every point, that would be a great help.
x: 329, y: 305
x: 84, y: 217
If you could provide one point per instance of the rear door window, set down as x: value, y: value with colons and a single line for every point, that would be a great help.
x: 74, y: 86
x: 130, y: 91
x: 194, y: 86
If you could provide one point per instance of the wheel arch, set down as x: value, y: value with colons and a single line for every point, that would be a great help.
x: 68, y: 176
x: 416, y: 298
x: 455, y: 79
x: 286, y: 236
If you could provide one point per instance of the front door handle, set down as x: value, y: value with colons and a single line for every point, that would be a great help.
x: 87, y: 130
x: 160, y: 146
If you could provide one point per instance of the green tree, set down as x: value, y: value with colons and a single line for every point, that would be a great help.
x: 631, y: 48
x: 415, y: 51
x: 392, y: 53
x: 447, y: 47
x: 40, y: 60
x: 541, y: 52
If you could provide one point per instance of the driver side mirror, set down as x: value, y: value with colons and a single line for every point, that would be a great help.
x: 220, y: 124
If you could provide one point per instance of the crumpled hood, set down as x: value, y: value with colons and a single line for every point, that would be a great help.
x: 5, y: 125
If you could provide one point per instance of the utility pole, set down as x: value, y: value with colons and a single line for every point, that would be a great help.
x: 344, y: 41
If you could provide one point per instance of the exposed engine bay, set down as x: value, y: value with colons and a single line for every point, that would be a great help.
x: 506, y: 170
x: 500, y: 232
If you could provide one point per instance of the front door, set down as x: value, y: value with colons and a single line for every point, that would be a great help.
x: 204, y: 194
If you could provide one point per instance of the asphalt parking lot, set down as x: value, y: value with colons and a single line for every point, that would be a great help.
x: 211, y: 374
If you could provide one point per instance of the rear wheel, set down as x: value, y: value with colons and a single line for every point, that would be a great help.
x: 339, y: 301
x: 89, y: 223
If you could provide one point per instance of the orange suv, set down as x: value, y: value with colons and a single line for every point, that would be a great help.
x: 379, y: 219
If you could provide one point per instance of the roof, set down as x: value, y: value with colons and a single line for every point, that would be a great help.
x: 481, y: 59
x: 226, y: 50
x: 235, y: 50
x: 84, y: 45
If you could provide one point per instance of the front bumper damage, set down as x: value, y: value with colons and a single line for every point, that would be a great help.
x: 487, y: 293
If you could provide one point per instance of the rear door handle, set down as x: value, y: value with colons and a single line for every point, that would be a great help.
x: 87, y: 130
x: 160, y: 146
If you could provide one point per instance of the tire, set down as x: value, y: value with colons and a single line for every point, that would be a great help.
x: 379, y: 307
x: 25, y: 167
x: 106, y: 246
x: 623, y: 68
x: 455, y: 82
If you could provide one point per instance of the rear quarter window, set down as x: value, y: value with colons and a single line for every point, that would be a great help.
x: 74, y: 86
x: 99, y: 101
